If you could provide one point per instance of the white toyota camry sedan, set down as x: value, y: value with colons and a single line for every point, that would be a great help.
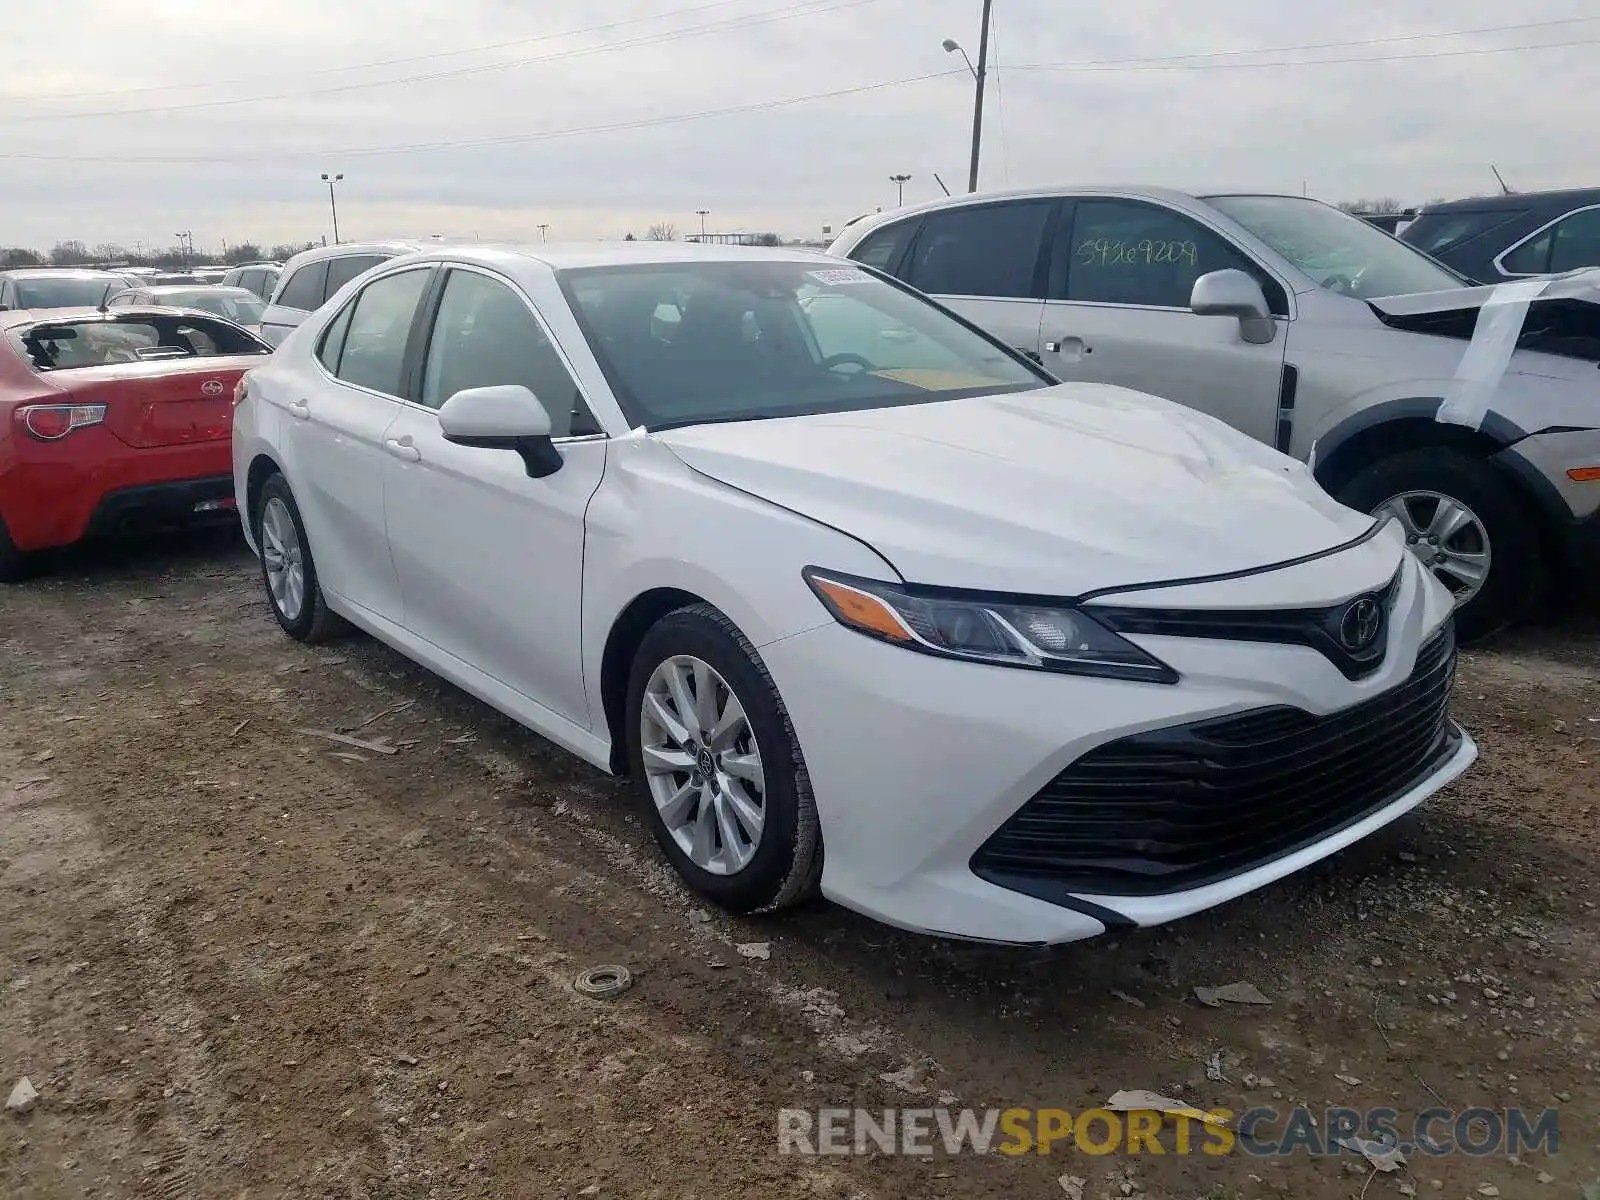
x: 859, y: 598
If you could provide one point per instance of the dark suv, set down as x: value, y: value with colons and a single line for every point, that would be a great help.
x: 1494, y: 238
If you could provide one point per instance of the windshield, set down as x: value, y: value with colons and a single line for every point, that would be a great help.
x: 63, y: 293
x: 243, y: 308
x: 687, y: 343
x: 1342, y: 253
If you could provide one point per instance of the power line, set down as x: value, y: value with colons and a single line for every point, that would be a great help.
x: 386, y: 62
x: 1090, y: 67
x: 805, y: 9
x: 475, y: 143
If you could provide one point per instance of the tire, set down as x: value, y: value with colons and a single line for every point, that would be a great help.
x: 15, y: 566
x: 1519, y: 571
x: 785, y: 863
x: 312, y: 620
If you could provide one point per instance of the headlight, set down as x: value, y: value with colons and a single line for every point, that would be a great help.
x: 982, y: 630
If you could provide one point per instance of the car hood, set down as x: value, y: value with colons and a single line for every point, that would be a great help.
x: 1062, y: 491
x: 1563, y: 319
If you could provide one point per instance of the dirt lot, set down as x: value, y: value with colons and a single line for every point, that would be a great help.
x: 238, y: 960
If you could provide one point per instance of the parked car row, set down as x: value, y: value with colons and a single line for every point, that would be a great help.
x: 1307, y: 329
x: 799, y: 548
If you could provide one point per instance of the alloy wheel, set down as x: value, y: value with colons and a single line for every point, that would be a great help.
x: 284, y: 559
x: 702, y: 764
x: 1447, y: 536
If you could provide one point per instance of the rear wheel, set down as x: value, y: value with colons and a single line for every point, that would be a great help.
x: 1467, y: 525
x: 717, y: 766
x: 15, y: 566
x: 287, y: 568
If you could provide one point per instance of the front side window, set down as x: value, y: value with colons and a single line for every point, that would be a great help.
x: 374, y: 350
x: 1339, y: 252
x: 753, y: 340
x: 1126, y: 252
x: 989, y: 250
x: 485, y: 335
x: 306, y: 288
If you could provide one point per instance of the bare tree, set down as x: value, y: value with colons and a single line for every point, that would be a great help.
x: 21, y: 256
x: 66, y: 254
x: 243, y: 252
x: 1383, y: 204
x: 768, y: 239
x: 109, y: 252
x: 630, y: 238
x: 663, y: 231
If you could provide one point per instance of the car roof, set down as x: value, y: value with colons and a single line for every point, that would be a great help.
x: 59, y: 273
x: 1517, y: 200
x: 344, y: 249
x: 167, y: 289
x: 1137, y: 191
x: 569, y: 256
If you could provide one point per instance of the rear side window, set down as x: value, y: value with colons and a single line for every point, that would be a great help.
x: 342, y: 270
x: 96, y: 343
x: 884, y: 248
x: 374, y: 351
x: 992, y: 250
x: 306, y: 288
x: 1577, y: 242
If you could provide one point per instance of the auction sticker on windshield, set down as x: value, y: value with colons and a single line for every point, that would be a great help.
x: 839, y: 275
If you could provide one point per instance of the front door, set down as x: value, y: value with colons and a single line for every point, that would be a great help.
x: 1118, y: 312
x: 491, y: 561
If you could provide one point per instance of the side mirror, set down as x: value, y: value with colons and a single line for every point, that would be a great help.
x: 504, y: 417
x: 1232, y: 293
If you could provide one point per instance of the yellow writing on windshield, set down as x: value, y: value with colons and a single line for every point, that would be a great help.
x: 937, y: 381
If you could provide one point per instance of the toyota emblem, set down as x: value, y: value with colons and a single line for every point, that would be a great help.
x: 1359, y: 626
x: 212, y: 387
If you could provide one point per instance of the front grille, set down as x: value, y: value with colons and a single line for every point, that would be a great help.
x: 1175, y: 808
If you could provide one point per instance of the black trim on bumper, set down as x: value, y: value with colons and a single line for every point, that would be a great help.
x: 159, y: 505
x: 1173, y: 809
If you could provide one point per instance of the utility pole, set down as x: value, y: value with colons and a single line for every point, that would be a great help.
x: 900, y: 182
x: 333, y: 204
x: 703, y: 213
x: 543, y: 230
x: 977, y: 103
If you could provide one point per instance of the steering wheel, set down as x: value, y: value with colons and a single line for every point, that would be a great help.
x: 834, y: 361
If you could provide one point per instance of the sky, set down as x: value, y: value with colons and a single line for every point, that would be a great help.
x: 124, y: 123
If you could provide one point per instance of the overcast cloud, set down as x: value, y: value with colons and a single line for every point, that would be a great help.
x: 1413, y: 128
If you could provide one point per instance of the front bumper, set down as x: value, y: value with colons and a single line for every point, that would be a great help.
x: 917, y: 761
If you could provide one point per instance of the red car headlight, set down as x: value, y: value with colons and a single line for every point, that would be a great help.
x: 52, y: 422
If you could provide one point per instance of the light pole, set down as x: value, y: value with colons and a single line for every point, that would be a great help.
x: 702, y: 213
x: 900, y: 182
x: 951, y: 46
x: 185, y: 244
x: 543, y: 230
x: 333, y: 204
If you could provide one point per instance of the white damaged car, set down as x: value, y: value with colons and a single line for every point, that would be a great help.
x: 859, y: 597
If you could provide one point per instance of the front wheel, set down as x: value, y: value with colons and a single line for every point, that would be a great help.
x: 717, y: 766
x: 1465, y: 524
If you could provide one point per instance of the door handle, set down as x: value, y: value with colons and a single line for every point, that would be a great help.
x: 300, y: 409
x: 1069, y: 347
x: 402, y: 449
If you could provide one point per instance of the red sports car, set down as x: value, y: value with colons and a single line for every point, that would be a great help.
x: 114, y: 419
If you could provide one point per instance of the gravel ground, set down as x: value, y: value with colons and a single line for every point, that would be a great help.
x: 237, y: 959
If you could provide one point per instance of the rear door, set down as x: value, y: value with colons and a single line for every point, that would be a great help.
x: 301, y: 293
x: 1118, y: 312
x: 988, y: 262
x: 339, y: 417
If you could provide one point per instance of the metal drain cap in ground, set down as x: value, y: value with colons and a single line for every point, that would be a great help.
x: 603, y: 983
